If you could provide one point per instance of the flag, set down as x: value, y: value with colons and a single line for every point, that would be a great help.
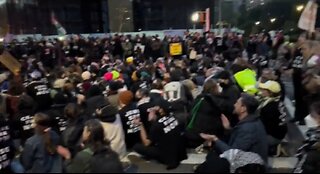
x: 308, y: 17
x: 60, y: 30
x: 207, y: 19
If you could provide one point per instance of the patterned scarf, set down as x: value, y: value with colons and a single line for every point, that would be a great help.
x: 312, y: 141
x: 238, y: 158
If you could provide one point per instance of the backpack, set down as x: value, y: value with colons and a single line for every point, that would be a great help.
x: 174, y: 92
x: 194, y: 113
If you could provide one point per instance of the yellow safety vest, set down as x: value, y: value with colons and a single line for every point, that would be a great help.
x: 246, y: 79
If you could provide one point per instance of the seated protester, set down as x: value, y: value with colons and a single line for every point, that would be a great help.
x: 128, y: 113
x: 230, y: 92
x: 156, y: 92
x: 39, y: 91
x: 86, y: 83
x: 113, y: 94
x: 164, y: 141
x: 309, y: 154
x: 113, y: 129
x: 57, y: 87
x: 93, y: 101
x: 56, y: 113
x: 71, y: 136
x: 144, y: 105
x: 143, y: 81
x: 205, y: 115
x: 178, y: 96
x: 25, y: 115
x: 232, y: 161
x: 6, y: 146
x: 272, y: 114
x: 194, y: 90
x: 248, y: 135
x: 39, y: 154
x: 97, y: 156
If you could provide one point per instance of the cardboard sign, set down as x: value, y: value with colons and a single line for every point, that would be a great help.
x: 308, y: 17
x: 10, y: 62
x: 175, y: 49
x: 193, y: 55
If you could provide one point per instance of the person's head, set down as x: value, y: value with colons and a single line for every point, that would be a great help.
x: 71, y: 111
x: 125, y: 98
x: 210, y: 87
x: 41, y: 122
x: 93, y: 134
x: 141, y: 93
x: 270, y: 89
x: 224, y: 78
x: 267, y: 74
x: 157, y: 84
x: 245, y: 105
x: 163, y: 108
x: 42, y: 125
x: 176, y: 74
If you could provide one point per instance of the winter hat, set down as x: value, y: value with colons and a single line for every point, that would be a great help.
x: 115, y: 75
x: 129, y: 60
x: 126, y: 97
x: 114, y: 85
x: 108, y: 76
x: 86, y: 75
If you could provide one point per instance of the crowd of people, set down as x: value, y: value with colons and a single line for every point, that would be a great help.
x: 82, y: 104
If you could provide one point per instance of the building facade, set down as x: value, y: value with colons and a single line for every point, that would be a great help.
x: 168, y: 14
x: 76, y: 16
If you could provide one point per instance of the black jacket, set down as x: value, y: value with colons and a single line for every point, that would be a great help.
x: 207, y: 117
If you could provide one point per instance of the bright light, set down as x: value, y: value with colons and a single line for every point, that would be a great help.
x: 258, y: 23
x: 1, y: 39
x: 61, y: 38
x: 273, y: 20
x: 300, y: 7
x: 128, y: 18
x: 140, y: 29
x: 195, y: 17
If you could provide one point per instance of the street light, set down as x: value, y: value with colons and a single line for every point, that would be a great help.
x: 195, y: 18
x: 300, y: 8
x: 258, y: 23
x: 273, y: 20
